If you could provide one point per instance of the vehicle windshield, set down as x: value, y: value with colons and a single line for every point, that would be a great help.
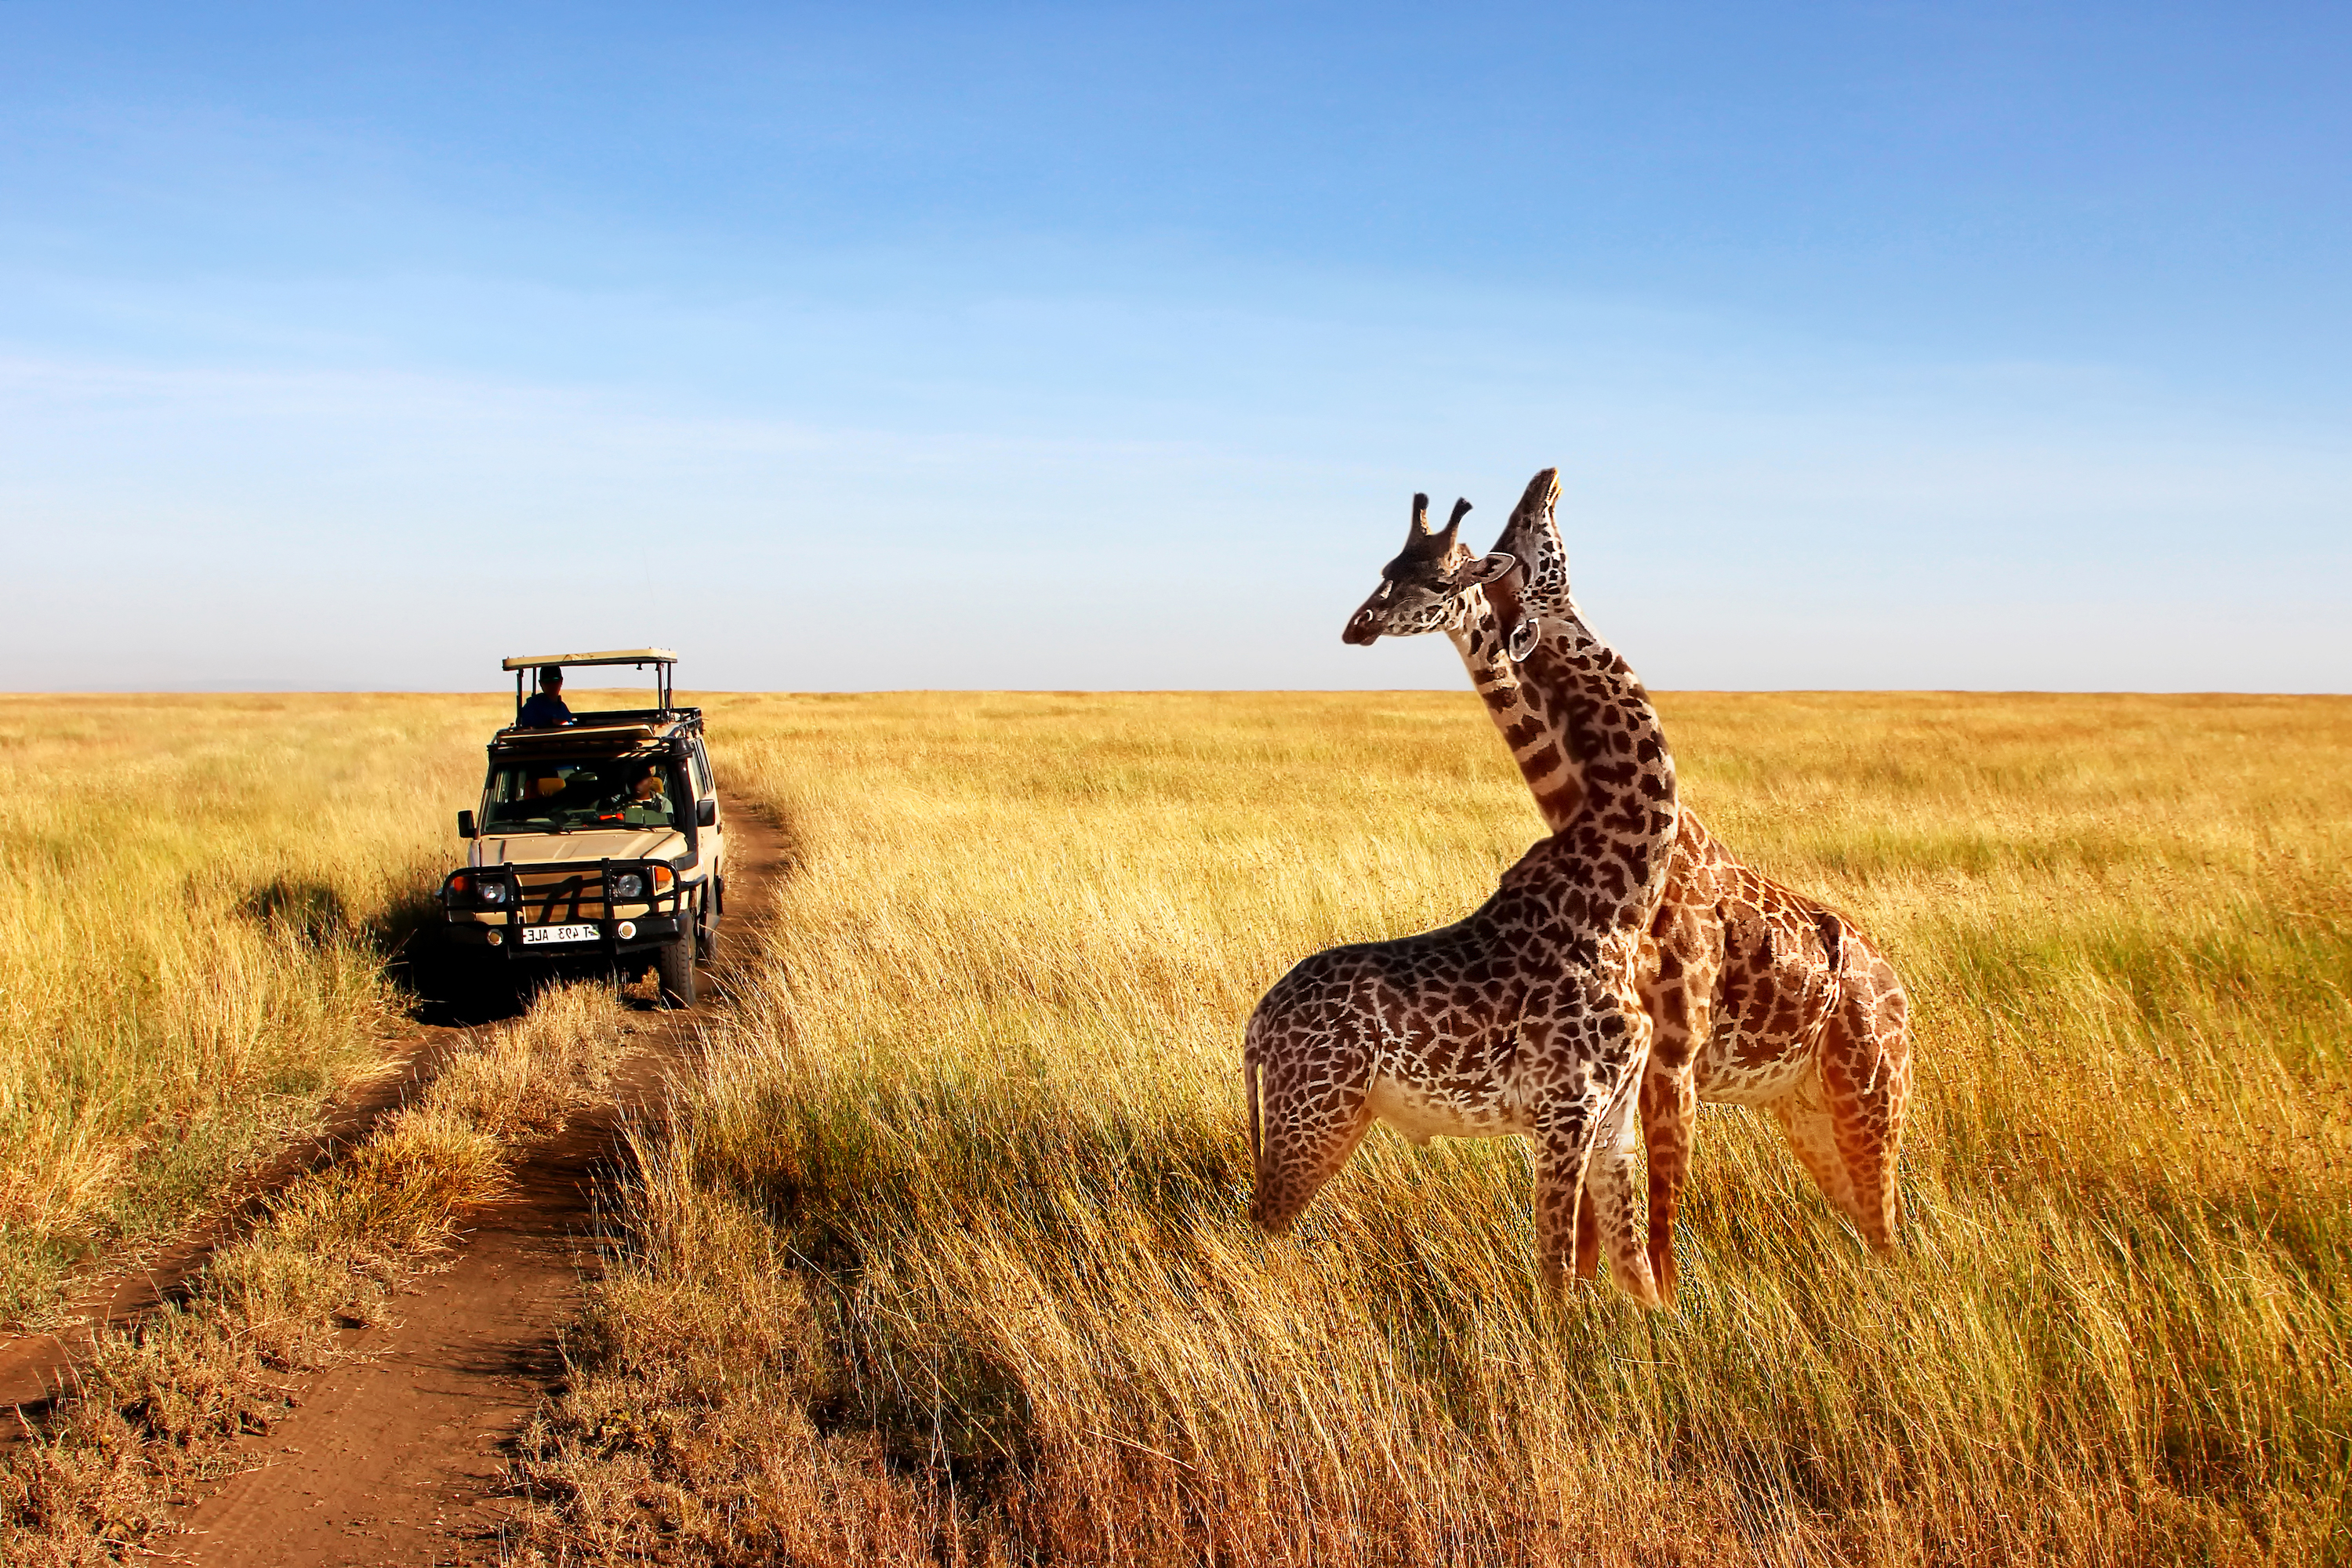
x: 583, y: 794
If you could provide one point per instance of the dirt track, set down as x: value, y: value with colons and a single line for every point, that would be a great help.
x: 394, y: 1456
x: 35, y: 1367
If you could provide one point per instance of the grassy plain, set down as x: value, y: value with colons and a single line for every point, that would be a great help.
x: 201, y: 897
x: 943, y: 1256
x: 943, y: 1253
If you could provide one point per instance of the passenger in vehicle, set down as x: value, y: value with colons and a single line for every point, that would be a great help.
x: 646, y: 802
x: 546, y: 709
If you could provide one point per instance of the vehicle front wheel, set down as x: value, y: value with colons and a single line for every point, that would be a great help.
x: 673, y: 964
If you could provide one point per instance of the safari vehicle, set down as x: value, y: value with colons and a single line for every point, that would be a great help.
x: 599, y: 839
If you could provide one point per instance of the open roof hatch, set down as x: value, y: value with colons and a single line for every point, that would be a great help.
x: 661, y: 658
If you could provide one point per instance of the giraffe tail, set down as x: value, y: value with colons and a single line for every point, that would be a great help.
x: 1832, y: 931
x: 1251, y: 1091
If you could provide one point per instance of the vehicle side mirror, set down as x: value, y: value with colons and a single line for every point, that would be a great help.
x: 706, y: 813
x: 465, y: 825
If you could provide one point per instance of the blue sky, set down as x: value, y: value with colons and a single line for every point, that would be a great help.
x: 1088, y: 346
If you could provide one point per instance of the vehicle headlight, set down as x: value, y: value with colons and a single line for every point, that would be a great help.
x: 493, y: 892
x: 629, y: 885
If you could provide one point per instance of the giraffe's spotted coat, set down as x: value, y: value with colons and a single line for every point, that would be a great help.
x: 1524, y: 1018
x: 1756, y: 996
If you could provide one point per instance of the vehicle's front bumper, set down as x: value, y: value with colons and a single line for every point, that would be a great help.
x: 491, y: 934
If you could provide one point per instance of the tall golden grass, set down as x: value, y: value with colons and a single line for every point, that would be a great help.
x: 200, y: 895
x: 942, y: 1254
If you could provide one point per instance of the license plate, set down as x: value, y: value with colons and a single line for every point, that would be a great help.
x: 533, y: 935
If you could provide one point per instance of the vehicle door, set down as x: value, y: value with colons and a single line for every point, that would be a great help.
x: 712, y: 839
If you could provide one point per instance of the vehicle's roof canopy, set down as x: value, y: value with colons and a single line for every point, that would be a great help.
x: 611, y: 656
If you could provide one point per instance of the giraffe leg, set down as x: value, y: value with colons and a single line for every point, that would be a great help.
x: 1574, y: 1178
x: 1669, y: 1120
x: 1614, y: 1194
x: 1803, y: 1114
x: 1563, y: 1157
x: 1681, y: 1003
x: 1866, y: 1076
x: 1310, y: 1126
x: 1586, y: 1137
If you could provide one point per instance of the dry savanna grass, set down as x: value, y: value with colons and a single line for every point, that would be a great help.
x: 942, y: 1254
x: 201, y: 894
x: 160, y: 1407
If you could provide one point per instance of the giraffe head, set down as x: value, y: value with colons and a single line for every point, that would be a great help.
x: 1424, y: 589
x: 1532, y: 540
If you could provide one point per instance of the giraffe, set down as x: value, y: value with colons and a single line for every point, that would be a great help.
x: 1524, y: 1018
x: 1759, y: 997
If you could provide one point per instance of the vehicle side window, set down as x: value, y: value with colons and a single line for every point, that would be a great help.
x: 702, y: 773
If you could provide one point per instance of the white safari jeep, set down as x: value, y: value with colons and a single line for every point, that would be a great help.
x: 597, y: 838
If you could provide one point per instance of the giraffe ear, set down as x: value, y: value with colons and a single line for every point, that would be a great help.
x: 1486, y: 569
x: 1524, y: 638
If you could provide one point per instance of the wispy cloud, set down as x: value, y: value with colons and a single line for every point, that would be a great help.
x: 358, y: 522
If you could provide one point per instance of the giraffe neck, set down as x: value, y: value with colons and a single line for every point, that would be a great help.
x: 1529, y: 728
x: 1597, y: 710
x: 1571, y: 681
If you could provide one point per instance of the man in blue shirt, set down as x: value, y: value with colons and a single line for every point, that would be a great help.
x: 546, y: 710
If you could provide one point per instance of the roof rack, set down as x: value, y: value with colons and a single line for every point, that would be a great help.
x: 661, y: 658
x: 623, y: 733
x: 637, y: 655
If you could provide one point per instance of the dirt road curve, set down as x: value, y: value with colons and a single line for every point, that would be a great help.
x: 392, y: 1458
